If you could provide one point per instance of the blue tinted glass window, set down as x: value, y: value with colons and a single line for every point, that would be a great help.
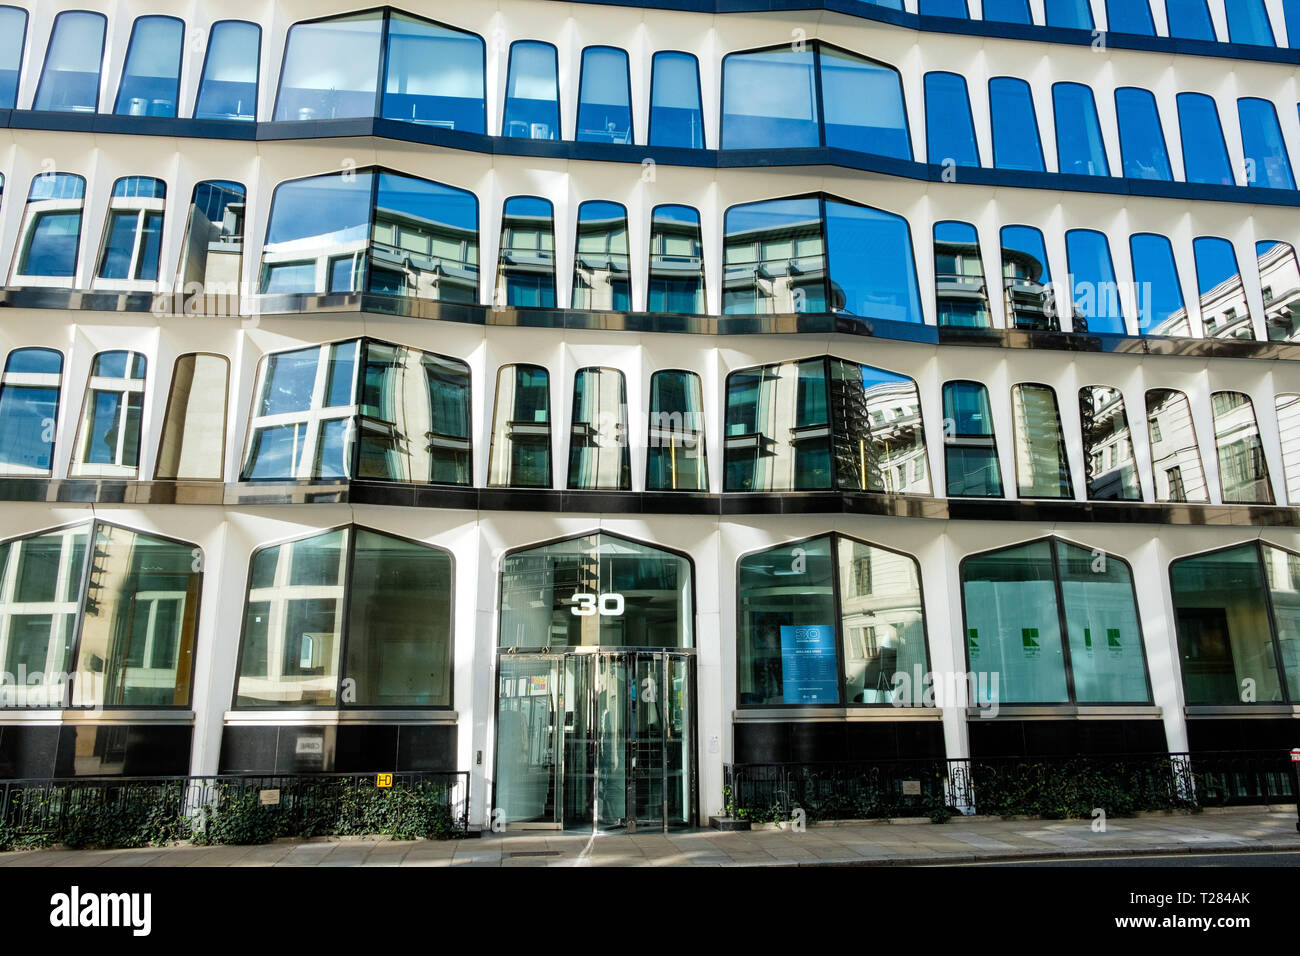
x: 949, y: 129
x: 70, y: 74
x: 532, y: 92
x: 887, y: 4
x: 774, y: 254
x: 424, y: 240
x: 1076, y: 14
x: 862, y: 103
x: 675, y: 115
x: 604, y: 97
x: 526, y: 274
x: 1129, y: 16
x: 433, y: 75
x: 151, y: 77
x: 1205, y: 155
x: 1079, y: 147
x: 1267, y: 163
x: 1291, y: 14
x: 676, y: 261
x: 331, y: 68
x: 601, y: 277
x: 1161, y: 310
x: 1248, y: 22
x: 1015, y: 125
x: 29, y: 403
x: 1189, y: 20
x: 1224, y: 308
x: 1096, y: 296
x: 1027, y: 280
x: 1141, y: 139
x: 315, y: 223
x: 228, y: 89
x: 970, y: 449
x: 769, y: 99
x: 13, y: 33
x: 960, y: 290
x: 943, y: 8
x: 52, y: 233
x: 872, y: 272
x: 1007, y: 11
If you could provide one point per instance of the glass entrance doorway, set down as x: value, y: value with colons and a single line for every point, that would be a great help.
x: 596, y: 739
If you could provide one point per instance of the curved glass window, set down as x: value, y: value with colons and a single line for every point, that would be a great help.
x: 352, y: 617
x: 29, y: 411
x: 1248, y: 23
x: 132, y: 233
x: 1288, y: 426
x: 1175, y: 455
x: 1291, y: 17
x: 13, y: 34
x: 1079, y: 147
x: 830, y: 620
x: 433, y: 75
x: 211, y: 258
x: 70, y: 74
x: 872, y: 272
x: 1008, y: 11
x: 1111, y: 469
x: 949, y: 129
x: 151, y: 76
x: 944, y: 8
x: 604, y: 97
x: 331, y: 68
x: 51, y: 231
x: 1027, y: 280
x: 823, y: 424
x: 521, y: 429
x: 1016, y: 144
x: 960, y: 287
x: 1097, y: 306
x: 362, y: 409
x: 1129, y: 16
x: 1190, y: 20
x: 1225, y: 310
x: 372, y: 230
x: 137, y: 610
x: 1072, y: 14
x: 676, y: 117
x: 1243, y: 470
x: 969, y: 443
x: 599, y: 457
x: 1267, y: 162
x: 228, y: 88
x: 544, y: 592
x: 675, y: 457
x: 526, y: 271
x: 601, y: 276
x: 1053, y: 623
x: 1237, y: 611
x: 109, y: 442
x: 1042, y: 466
x: 1279, y: 278
x: 1205, y: 154
x: 1141, y: 139
x: 193, y: 443
x: 1161, y: 309
x: 676, y: 261
x: 780, y: 97
x: 532, y: 107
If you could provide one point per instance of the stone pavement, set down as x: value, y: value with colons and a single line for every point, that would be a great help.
x: 1258, y: 829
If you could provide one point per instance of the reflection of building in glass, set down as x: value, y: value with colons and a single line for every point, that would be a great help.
x: 1107, y: 445
x: 1279, y: 275
x: 1175, y: 456
x: 776, y: 269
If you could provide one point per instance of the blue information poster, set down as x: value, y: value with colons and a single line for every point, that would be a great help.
x: 808, y: 668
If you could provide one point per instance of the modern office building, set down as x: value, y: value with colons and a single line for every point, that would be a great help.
x: 589, y: 396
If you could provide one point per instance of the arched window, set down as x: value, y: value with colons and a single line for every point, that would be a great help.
x: 1042, y: 466
x: 675, y: 458
x: 601, y: 273
x: 970, y: 446
x: 361, y: 409
x: 1097, y: 302
x: 29, y: 411
x: 1130, y: 16
x: 1027, y: 279
x: 151, y: 75
x: 1225, y: 310
x: 50, y: 238
x: 1175, y: 454
x: 1141, y: 139
x: 1016, y: 144
x: 676, y: 261
x: 1279, y: 279
x: 824, y: 424
x: 1080, y: 150
x: 132, y: 246
x: 526, y: 270
x: 676, y: 117
x: 13, y: 35
x: 1238, y: 617
x: 193, y: 443
x: 1053, y: 622
x: 830, y: 621
x: 604, y: 97
x: 1267, y: 162
x: 228, y: 87
x: 348, y: 618
x: 532, y: 108
x: 1111, y: 469
x: 75, y: 54
x: 1248, y: 23
x: 949, y: 129
x: 1287, y: 407
x: 212, y: 256
x: 1161, y: 309
x: 1205, y: 154
x: 109, y: 441
x: 126, y: 629
x: 1190, y: 20
x: 599, y: 456
x: 372, y: 230
x: 1243, y: 469
x: 521, y: 429
x: 1072, y: 14
x: 961, y: 290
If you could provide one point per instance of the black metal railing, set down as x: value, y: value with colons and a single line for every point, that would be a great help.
x: 1050, y: 787
x: 230, y: 808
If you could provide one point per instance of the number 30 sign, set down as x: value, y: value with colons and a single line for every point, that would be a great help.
x: 608, y: 605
